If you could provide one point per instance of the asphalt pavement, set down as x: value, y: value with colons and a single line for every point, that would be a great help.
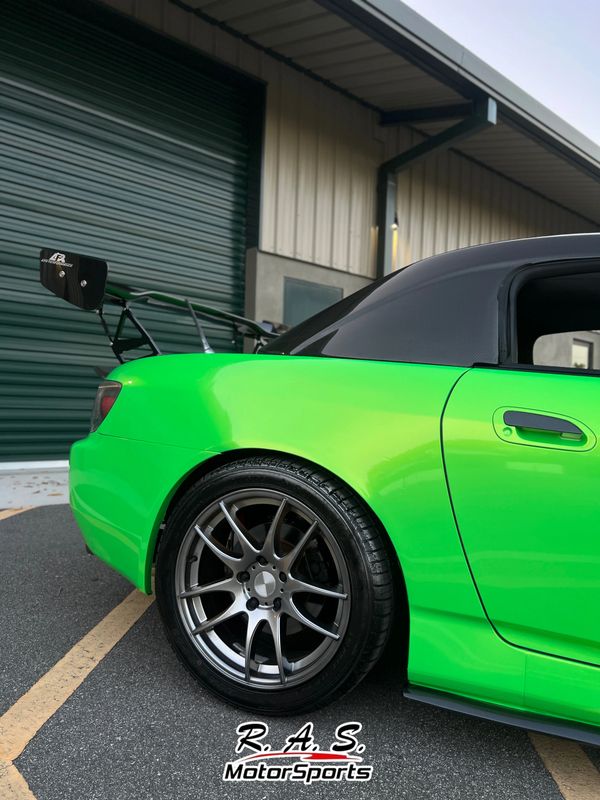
x: 140, y: 727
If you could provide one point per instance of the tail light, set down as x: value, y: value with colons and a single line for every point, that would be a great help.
x: 108, y: 391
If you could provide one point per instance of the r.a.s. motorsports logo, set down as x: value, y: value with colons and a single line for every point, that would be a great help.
x: 300, y: 758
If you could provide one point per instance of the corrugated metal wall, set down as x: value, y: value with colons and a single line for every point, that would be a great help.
x: 320, y: 153
x: 320, y: 162
x: 449, y: 201
x: 122, y: 153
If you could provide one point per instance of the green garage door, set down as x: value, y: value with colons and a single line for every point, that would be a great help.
x: 111, y: 148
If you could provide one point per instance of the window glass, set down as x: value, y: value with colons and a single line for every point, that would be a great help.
x: 573, y: 349
x: 558, y: 321
x: 581, y: 354
x: 302, y: 299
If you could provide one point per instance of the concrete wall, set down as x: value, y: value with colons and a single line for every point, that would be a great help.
x: 265, y: 276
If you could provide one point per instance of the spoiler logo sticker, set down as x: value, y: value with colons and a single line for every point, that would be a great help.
x: 57, y: 260
x: 300, y: 759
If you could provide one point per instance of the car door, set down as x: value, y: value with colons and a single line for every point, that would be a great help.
x: 523, y: 466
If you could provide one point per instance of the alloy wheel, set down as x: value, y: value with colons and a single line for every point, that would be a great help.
x: 262, y: 588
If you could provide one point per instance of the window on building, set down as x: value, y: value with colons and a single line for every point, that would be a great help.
x: 581, y: 354
x: 302, y: 299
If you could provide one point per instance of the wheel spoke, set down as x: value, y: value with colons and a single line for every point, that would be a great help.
x: 287, y: 562
x: 296, y: 614
x: 248, y: 548
x: 226, y: 585
x: 275, y: 625
x: 254, y: 623
x: 231, y: 611
x: 294, y: 585
x: 226, y: 558
x: 268, y: 548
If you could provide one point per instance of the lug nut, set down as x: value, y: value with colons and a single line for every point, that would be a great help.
x: 252, y: 604
x: 243, y: 577
x: 262, y: 561
x: 282, y: 577
x: 277, y: 604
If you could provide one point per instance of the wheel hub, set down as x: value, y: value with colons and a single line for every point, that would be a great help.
x: 264, y: 584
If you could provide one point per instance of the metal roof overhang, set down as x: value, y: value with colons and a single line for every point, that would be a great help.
x: 389, y: 58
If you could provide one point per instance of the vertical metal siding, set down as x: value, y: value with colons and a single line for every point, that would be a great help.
x: 449, y: 201
x: 321, y: 152
x: 116, y: 151
x: 321, y: 157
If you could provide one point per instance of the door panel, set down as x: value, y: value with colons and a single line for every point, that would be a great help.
x: 526, y: 492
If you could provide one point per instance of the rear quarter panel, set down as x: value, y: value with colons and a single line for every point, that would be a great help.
x: 376, y: 425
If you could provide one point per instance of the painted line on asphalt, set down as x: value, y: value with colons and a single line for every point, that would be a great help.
x: 23, y: 720
x: 13, y: 785
x: 10, y: 512
x: 573, y: 772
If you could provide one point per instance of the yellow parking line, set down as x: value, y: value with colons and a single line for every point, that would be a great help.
x: 10, y: 512
x: 573, y: 772
x: 13, y: 785
x: 23, y: 720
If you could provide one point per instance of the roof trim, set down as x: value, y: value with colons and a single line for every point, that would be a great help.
x: 244, y: 37
x: 400, y: 28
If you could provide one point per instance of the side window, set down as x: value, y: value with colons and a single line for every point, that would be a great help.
x: 558, y: 321
x: 573, y: 349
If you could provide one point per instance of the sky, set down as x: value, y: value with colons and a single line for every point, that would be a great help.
x: 549, y: 48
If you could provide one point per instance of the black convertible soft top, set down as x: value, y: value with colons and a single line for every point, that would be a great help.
x: 451, y: 308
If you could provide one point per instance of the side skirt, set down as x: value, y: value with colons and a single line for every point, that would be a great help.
x: 517, y: 719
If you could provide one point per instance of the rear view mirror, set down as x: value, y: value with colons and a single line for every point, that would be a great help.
x: 79, y: 280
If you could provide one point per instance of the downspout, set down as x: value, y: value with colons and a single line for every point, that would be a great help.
x: 483, y: 116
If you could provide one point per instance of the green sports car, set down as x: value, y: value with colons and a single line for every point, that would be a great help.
x: 401, y: 468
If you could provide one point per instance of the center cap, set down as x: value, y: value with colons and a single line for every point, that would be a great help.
x: 264, y: 584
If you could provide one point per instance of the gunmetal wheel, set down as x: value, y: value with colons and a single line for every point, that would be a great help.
x: 266, y: 584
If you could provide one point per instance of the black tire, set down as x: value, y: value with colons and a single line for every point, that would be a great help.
x: 368, y: 573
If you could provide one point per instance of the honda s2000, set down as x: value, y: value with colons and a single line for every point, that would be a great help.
x: 403, y: 461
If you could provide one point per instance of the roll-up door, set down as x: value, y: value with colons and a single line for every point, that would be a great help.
x: 115, y: 149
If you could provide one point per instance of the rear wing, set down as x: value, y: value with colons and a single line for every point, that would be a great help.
x: 83, y: 282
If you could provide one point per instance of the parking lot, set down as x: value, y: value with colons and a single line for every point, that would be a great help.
x: 138, y: 726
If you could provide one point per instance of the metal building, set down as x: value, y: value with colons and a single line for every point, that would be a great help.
x: 262, y: 156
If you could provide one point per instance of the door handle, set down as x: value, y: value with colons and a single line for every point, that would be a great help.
x: 542, y: 422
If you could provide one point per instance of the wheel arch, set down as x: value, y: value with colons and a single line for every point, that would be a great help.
x: 229, y: 456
